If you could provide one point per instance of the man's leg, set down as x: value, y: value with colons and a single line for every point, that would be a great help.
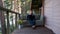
x: 33, y: 26
x: 31, y: 23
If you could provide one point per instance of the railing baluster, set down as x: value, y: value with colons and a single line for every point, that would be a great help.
x: 2, y: 22
x: 8, y: 23
x: 16, y: 19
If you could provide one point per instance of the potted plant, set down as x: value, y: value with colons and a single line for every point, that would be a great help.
x: 20, y: 24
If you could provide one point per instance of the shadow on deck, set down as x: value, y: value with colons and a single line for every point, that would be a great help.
x: 29, y: 30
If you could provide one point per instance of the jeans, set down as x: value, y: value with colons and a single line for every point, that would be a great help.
x: 32, y: 22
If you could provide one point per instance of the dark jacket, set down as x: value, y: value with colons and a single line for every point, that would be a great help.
x: 30, y: 17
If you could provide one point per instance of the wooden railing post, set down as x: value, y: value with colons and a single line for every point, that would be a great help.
x: 8, y: 25
x: 16, y: 19
x: 2, y: 22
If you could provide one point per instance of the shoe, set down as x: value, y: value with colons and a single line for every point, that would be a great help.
x: 33, y: 26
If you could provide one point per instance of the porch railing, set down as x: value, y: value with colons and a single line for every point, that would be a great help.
x: 8, y: 20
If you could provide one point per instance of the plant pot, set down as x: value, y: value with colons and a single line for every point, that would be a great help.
x: 20, y: 26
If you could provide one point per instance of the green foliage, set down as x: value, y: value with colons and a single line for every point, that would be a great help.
x: 8, y: 4
x: 0, y: 32
x: 11, y: 16
x: 20, y: 22
x: 25, y: 6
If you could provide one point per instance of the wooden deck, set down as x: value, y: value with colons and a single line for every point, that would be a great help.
x: 29, y: 30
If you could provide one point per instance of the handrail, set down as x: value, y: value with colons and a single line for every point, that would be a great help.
x: 3, y: 24
x: 7, y: 10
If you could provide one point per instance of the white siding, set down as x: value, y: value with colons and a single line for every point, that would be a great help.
x: 52, y: 13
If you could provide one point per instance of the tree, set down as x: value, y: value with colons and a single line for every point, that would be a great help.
x: 25, y: 4
x: 8, y: 4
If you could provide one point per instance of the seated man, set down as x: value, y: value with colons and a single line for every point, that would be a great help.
x: 31, y: 19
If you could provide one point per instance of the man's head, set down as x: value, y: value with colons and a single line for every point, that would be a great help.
x: 29, y: 12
